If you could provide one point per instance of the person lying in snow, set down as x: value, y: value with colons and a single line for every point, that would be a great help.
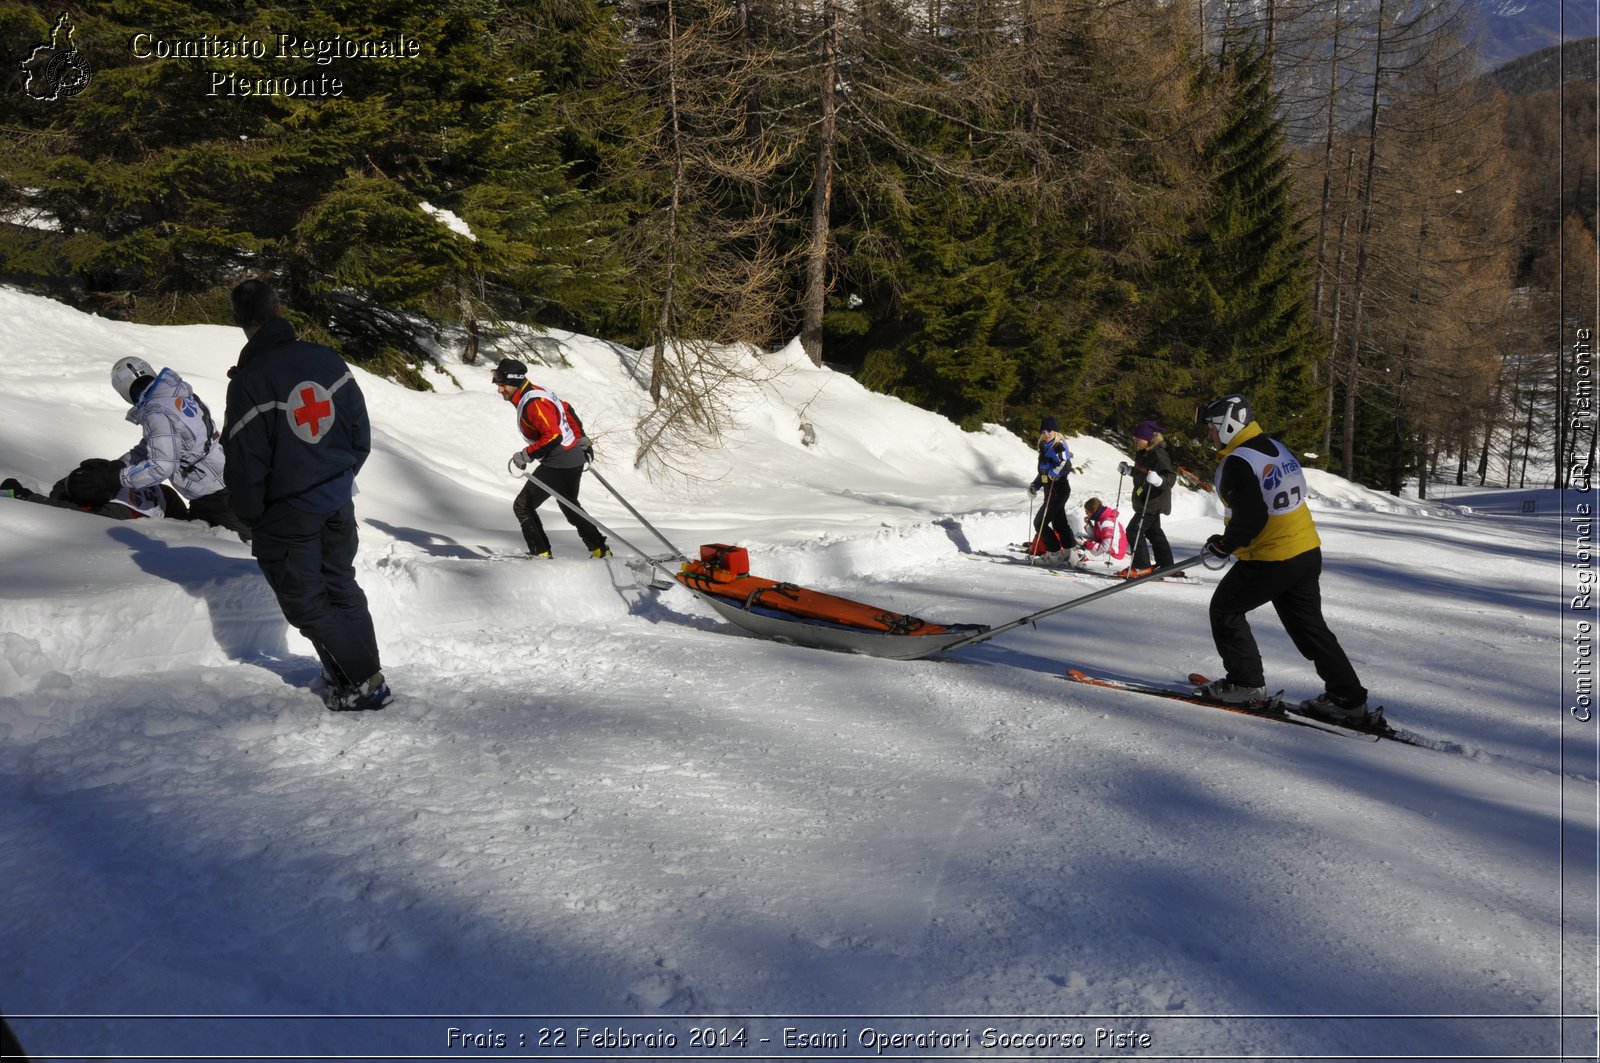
x: 85, y: 489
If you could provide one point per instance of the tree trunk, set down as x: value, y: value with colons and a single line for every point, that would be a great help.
x: 1527, y: 443
x: 1338, y: 306
x: 664, y: 318
x: 822, y: 189
x: 1425, y: 465
x: 469, y: 320
x: 1353, y: 369
x: 1330, y: 133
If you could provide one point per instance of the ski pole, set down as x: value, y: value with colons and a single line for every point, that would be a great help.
x: 570, y: 504
x: 1037, y: 541
x: 1028, y: 537
x: 678, y: 554
x: 1143, y: 517
x: 986, y: 635
x: 1121, y: 476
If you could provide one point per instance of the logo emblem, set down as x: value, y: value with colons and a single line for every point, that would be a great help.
x: 310, y: 411
x: 1271, y: 477
x: 56, y: 70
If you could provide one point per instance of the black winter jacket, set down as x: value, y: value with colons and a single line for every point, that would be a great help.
x: 1148, y: 499
x: 296, y: 421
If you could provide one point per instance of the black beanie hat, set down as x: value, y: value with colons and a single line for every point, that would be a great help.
x: 510, y: 371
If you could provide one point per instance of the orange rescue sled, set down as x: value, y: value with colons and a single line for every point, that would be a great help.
x: 721, y: 579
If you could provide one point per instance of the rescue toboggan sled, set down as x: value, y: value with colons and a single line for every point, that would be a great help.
x: 767, y: 607
x: 772, y: 609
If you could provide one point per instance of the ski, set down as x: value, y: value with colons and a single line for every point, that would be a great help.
x: 1064, y: 569
x: 1176, y: 577
x: 1272, y: 708
x: 1378, y: 728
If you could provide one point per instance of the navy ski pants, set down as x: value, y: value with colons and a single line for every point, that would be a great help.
x: 309, y: 561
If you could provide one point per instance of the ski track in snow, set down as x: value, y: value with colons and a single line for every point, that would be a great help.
x: 592, y: 798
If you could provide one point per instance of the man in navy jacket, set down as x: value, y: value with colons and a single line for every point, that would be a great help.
x: 295, y: 435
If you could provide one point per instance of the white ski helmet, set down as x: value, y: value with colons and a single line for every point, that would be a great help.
x: 126, y: 372
x: 1228, y: 415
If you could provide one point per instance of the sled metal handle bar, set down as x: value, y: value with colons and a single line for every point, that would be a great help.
x: 678, y: 555
x: 660, y: 563
x: 984, y: 636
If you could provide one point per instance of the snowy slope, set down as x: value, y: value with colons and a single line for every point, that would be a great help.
x: 593, y: 800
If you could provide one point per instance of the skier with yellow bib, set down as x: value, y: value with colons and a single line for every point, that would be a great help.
x: 1269, y: 530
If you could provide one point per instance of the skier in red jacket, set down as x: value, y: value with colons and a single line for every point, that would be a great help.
x: 556, y: 441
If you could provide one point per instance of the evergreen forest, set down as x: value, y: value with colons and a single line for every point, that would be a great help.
x: 1098, y: 210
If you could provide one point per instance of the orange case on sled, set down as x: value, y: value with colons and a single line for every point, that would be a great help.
x: 725, y: 562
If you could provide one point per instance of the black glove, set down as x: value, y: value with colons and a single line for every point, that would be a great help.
x: 588, y: 452
x: 1033, y: 488
x: 1217, y: 548
x: 94, y: 482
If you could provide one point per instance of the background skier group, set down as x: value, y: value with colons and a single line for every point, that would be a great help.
x: 1105, y: 543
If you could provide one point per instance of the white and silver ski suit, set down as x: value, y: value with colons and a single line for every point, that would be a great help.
x: 180, y: 440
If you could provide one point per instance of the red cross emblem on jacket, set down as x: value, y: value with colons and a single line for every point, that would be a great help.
x: 310, y: 411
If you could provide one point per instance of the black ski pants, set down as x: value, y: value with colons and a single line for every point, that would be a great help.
x: 1051, y: 528
x: 1144, y: 532
x: 309, y: 561
x: 564, y: 482
x: 216, y: 509
x: 1294, y: 587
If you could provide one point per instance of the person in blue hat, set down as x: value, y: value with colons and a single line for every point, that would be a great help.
x: 1052, y: 531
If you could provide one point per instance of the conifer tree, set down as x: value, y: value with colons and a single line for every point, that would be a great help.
x: 1000, y: 175
x: 952, y: 275
x: 1240, y: 317
x: 169, y: 178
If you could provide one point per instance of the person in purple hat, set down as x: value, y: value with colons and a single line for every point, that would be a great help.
x: 1152, y: 474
